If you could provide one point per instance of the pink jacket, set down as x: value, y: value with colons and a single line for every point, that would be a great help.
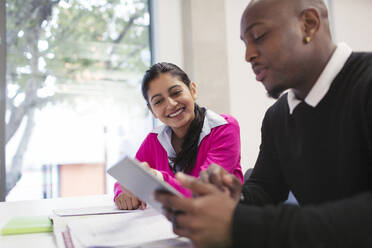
x: 221, y: 146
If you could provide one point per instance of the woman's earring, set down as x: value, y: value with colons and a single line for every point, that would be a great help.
x: 307, y: 39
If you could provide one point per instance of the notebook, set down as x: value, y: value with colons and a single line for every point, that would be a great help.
x: 27, y: 224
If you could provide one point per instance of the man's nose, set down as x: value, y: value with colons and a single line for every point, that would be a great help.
x: 251, y: 53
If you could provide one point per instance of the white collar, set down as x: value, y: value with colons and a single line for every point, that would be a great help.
x: 322, y: 85
x: 164, y: 132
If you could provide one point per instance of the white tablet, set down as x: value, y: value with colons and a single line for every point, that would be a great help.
x: 140, y: 181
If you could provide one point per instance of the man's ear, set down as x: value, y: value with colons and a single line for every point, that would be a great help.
x: 152, y: 112
x: 310, y: 23
x: 193, y: 90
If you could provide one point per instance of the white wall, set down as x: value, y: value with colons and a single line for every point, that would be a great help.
x: 205, y: 54
x: 168, y: 33
x: 352, y: 23
x: 186, y: 36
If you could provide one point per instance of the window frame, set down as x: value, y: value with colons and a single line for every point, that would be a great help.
x: 2, y: 98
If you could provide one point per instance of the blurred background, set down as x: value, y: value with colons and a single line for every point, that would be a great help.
x: 73, y: 105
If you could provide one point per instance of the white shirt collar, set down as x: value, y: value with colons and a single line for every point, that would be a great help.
x: 322, y: 85
x: 164, y: 132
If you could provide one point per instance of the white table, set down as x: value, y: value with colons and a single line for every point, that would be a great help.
x: 42, y: 207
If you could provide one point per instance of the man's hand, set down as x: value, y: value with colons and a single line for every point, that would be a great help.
x: 206, y: 219
x: 218, y: 176
x: 128, y: 201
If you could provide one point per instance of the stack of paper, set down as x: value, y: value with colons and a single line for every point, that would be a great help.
x: 111, y: 209
x: 145, y: 228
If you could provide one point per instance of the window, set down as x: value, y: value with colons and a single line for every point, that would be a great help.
x: 74, y: 103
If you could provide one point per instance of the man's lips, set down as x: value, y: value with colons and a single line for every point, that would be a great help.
x: 260, y: 72
x: 176, y: 113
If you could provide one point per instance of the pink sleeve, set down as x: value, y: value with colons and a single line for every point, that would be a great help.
x: 225, y: 149
x: 140, y: 156
x: 175, y: 184
x: 117, y: 190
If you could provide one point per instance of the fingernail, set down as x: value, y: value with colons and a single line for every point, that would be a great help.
x: 181, y: 176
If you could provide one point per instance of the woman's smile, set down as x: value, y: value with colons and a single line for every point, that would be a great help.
x: 176, y: 113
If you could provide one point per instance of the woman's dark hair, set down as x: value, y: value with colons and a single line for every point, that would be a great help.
x: 186, y: 158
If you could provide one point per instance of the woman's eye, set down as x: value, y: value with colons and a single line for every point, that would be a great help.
x: 176, y: 93
x: 158, y: 102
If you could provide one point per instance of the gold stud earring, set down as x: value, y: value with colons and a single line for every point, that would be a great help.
x: 307, y: 39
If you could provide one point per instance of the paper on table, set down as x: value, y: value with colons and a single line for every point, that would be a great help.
x: 60, y: 224
x: 166, y: 243
x: 178, y: 242
x: 90, y: 211
x: 121, y: 230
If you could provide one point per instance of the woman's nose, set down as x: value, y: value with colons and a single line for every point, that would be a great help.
x: 171, y: 101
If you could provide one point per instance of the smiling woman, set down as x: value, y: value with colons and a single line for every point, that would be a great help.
x: 191, y: 139
x: 172, y: 101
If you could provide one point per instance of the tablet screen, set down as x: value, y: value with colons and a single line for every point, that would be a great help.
x: 140, y: 181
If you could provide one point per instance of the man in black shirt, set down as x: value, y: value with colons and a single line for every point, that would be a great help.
x: 316, y: 142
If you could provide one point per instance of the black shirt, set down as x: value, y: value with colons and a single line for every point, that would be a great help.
x: 322, y: 154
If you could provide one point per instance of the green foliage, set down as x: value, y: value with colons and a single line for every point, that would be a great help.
x: 76, y: 41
